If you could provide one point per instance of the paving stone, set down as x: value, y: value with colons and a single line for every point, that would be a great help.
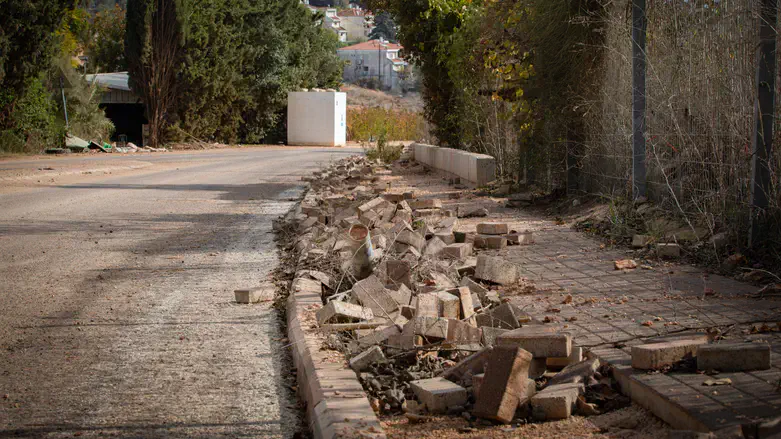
x: 496, y: 270
x: 467, y: 268
x: 493, y: 228
x: 523, y: 238
x: 476, y: 303
x: 733, y: 357
x: 576, y: 373
x: 439, y: 394
x: 467, y: 309
x: 375, y: 204
x: 505, y: 384
x: 505, y: 316
x: 459, y: 251
x: 402, y: 216
x: 477, y: 383
x: 473, y: 286
x: 472, y: 211
x: 576, y: 356
x: 668, y: 250
x: 442, y: 281
x: 377, y: 336
x: 447, y: 238
x: 538, y: 340
x: 470, y: 365
x: 393, y: 198
x: 490, y: 242
x: 408, y: 311
x: 427, y: 305
x: 463, y: 334
x: 336, y: 312
x: 657, y: 355
x: 556, y: 401
x: 372, y: 294
x: 253, y: 295
x: 426, y: 204
x: 434, y: 247
x: 402, y: 296
x: 362, y: 361
x: 432, y: 328
x: 490, y: 334
x: 412, y: 239
x: 640, y: 241
x: 449, y: 305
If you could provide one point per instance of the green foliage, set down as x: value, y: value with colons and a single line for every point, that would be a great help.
x: 384, y: 27
x: 34, y: 122
x: 74, y: 32
x: 26, y: 47
x: 106, y: 49
x: 371, y: 123
x: 86, y: 119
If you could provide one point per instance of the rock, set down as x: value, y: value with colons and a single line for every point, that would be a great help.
x: 253, y: 295
x: 525, y: 238
x: 472, y: 212
x: 657, y: 355
x: 640, y: 241
x: 458, y: 251
x: 496, y: 270
x: 425, y: 204
x: 668, y: 250
x: 576, y: 373
x: 336, y: 311
x: 372, y: 294
x: 449, y: 305
x: 538, y: 340
x: 362, y: 361
x: 490, y: 334
x: 733, y: 357
x: 462, y: 334
x: 504, y: 385
x: 434, y: 247
x: 625, y: 264
x: 412, y: 239
x: 439, y: 394
x: 493, y: 228
x: 556, y: 402
x: 402, y: 296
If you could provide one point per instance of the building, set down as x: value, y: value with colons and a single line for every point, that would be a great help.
x: 331, y: 21
x: 123, y: 107
x: 375, y: 63
x: 357, y: 22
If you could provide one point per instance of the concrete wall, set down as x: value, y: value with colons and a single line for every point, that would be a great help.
x: 317, y: 118
x: 478, y: 169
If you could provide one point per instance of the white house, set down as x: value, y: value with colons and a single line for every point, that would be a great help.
x: 357, y: 22
x: 332, y: 21
x: 375, y: 60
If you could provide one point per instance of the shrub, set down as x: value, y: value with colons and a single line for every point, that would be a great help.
x: 366, y: 124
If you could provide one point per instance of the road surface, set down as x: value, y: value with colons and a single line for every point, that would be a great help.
x: 116, y: 291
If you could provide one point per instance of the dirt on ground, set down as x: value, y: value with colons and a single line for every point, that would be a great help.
x: 364, y: 97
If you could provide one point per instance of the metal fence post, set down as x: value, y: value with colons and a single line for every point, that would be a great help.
x: 764, y: 111
x: 638, y: 98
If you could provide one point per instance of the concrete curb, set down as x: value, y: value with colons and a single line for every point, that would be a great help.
x: 475, y: 168
x: 336, y: 404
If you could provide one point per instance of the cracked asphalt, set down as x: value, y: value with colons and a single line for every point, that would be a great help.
x: 116, y: 291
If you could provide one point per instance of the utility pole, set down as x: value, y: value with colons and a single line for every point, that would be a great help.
x: 764, y: 110
x: 639, y: 23
x: 379, y: 62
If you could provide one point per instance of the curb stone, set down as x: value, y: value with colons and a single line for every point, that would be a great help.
x: 336, y: 404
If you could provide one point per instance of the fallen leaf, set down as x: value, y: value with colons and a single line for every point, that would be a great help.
x: 567, y: 299
x: 625, y: 264
x: 718, y: 382
x: 648, y: 323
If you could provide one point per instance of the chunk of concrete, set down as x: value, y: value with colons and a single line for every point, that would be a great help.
x: 640, y: 241
x: 657, y: 355
x: 446, y: 237
x: 412, y: 239
x: 449, y: 305
x: 505, y: 384
x: 733, y: 357
x: 439, y: 394
x: 371, y: 293
x: 496, y: 270
x: 668, y: 250
x: 427, y: 305
x: 362, y: 361
x: 576, y: 373
x: 434, y: 247
x: 426, y: 204
x: 556, y: 402
x: 253, y: 295
x: 458, y: 251
x: 505, y: 316
x: 402, y: 296
x: 342, y: 312
x: 463, y: 334
x: 493, y: 228
x: 470, y: 365
x: 432, y: 328
x: 539, y: 340
x: 490, y: 334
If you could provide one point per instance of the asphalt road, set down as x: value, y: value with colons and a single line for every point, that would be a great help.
x: 116, y: 293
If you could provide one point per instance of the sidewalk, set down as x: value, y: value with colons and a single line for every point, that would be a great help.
x: 611, y: 310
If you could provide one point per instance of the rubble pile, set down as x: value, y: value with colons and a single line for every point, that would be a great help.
x: 417, y: 311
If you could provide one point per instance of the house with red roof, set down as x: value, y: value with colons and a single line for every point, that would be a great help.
x: 375, y: 63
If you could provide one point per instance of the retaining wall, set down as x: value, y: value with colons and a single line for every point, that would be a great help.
x: 478, y: 169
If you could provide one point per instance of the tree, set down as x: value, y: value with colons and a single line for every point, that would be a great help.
x: 153, y: 48
x: 106, y: 50
x: 384, y: 27
x: 26, y: 47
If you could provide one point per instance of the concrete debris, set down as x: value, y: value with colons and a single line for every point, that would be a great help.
x: 372, y: 294
x: 657, y: 355
x: 670, y: 251
x: 335, y: 312
x: 541, y: 341
x: 556, y: 402
x: 493, y: 229
x: 496, y: 270
x: 438, y: 394
x: 504, y: 385
x: 576, y: 373
x: 362, y: 361
x: 733, y: 357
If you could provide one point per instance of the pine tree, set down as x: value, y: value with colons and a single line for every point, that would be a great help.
x: 384, y: 27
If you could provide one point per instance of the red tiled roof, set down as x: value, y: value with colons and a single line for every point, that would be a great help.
x: 352, y: 12
x: 372, y: 45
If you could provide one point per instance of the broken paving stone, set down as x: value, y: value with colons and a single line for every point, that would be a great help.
x: 640, y: 241
x: 505, y: 316
x: 668, y: 250
x: 439, y: 394
x: 393, y: 198
x: 556, y: 402
x: 493, y: 229
x: 576, y: 373
x: 470, y: 365
x: 490, y: 334
x: 372, y: 294
x: 432, y: 328
x: 492, y: 242
x: 317, y: 275
x: 576, y: 356
x: 442, y: 281
x: 537, y: 367
x: 657, y: 355
x: 463, y: 334
x: 733, y: 357
x: 402, y: 296
x: 254, y: 295
x: 399, y: 272
x: 539, y: 340
x: 524, y: 238
x: 412, y: 239
x: 472, y: 212
x: 467, y: 309
x: 466, y: 268
x: 336, y: 311
x: 427, y: 305
x: 426, y: 204
x: 362, y: 361
x: 434, y: 247
x: 408, y: 311
x: 625, y: 264
x: 496, y: 270
x: 376, y: 204
x: 378, y: 336
x: 447, y: 238
x: 459, y: 251
x: 449, y: 305
x: 504, y: 385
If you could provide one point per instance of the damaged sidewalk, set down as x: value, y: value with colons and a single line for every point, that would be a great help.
x: 445, y: 303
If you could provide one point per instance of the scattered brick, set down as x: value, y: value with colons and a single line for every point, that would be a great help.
x: 426, y: 204
x: 539, y: 340
x: 372, y: 294
x: 470, y: 365
x: 463, y: 334
x: 490, y: 334
x: 459, y: 251
x: 427, y: 305
x: 434, y: 247
x: 496, y: 270
x: 336, y: 311
x: 576, y: 373
x: 657, y: 355
x: 449, y: 305
x: 412, y: 239
x: 493, y: 228
x: 505, y: 384
x: 447, y: 238
x: 668, y: 250
x: 733, y: 357
x: 402, y: 296
x: 439, y: 394
x: 556, y: 402
x: 505, y: 316
x: 362, y: 361
x: 640, y: 241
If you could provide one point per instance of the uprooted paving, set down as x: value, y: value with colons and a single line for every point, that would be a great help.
x: 446, y: 302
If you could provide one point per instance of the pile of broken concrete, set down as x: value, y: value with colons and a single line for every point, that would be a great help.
x: 417, y: 311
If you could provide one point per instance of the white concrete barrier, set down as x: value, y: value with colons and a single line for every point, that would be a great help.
x: 478, y: 169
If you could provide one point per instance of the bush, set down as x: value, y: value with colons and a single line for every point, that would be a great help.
x: 365, y: 125
x: 383, y: 151
x: 34, y: 121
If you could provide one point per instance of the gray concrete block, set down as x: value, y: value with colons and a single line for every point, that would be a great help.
x: 493, y: 228
x: 439, y: 394
x: 556, y: 402
x: 496, y: 270
x: 538, y: 340
x: 341, y: 312
x: 362, y: 361
x: 657, y: 355
x: 733, y: 357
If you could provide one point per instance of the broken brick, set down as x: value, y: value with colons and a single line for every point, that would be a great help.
x: 426, y: 204
x: 657, y: 355
x: 538, y: 340
x: 462, y: 334
x: 472, y: 364
x: 434, y: 247
x: 576, y: 373
x: 371, y: 293
x: 493, y: 228
x: 336, y: 311
x: 504, y: 385
x: 399, y: 272
x: 556, y: 402
x: 449, y: 305
x: 439, y: 394
x: 496, y: 270
x: 362, y: 361
x: 505, y: 316
x: 733, y: 357
x: 458, y: 251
